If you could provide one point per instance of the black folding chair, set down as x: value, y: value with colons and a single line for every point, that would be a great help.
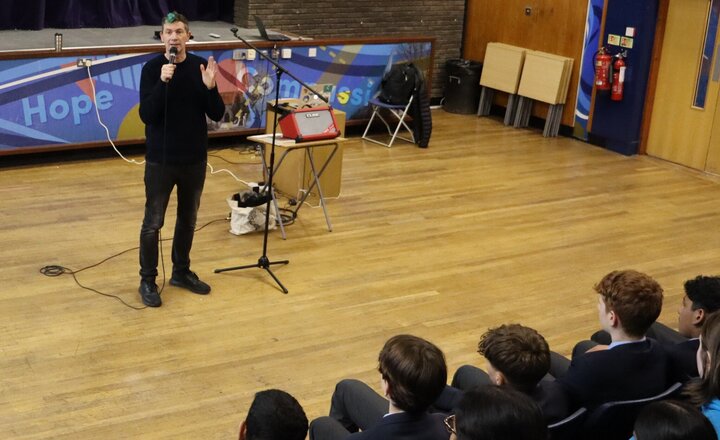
x: 568, y: 428
x: 615, y: 420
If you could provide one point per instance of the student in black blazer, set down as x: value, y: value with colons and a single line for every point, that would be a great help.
x: 631, y: 366
x: 413, y: 374
x: 683, y: 360
x: 632, y: 370
x: 517, y: 357
x: 702, y: 297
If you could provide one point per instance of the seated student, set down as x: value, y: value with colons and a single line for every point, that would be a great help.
x: 496, y: 413
x: 413, y: 373
x: 632, y: 366
x: 518, y: 357
x: 274, y: 415
x: 702, y: 296
x: 671, y: 420
x: 704, y: 392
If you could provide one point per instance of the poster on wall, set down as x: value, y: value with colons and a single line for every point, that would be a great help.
x: 50, y: 102
x: 591, y: 41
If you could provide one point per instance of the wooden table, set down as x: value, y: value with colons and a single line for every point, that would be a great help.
x: 284, y: 147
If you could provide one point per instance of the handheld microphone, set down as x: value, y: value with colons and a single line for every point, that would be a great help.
x: 234, y: 30
x: 173, y: 54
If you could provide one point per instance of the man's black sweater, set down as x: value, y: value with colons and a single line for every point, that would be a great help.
x: 188, y: 101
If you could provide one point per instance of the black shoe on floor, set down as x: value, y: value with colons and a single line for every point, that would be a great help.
x: 149, y: 294
x: 188, y: 280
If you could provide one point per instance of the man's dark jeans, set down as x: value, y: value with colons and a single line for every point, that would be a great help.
x: 159, y: 182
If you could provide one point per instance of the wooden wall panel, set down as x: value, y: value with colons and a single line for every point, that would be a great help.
x: 678, y: 132
x: 712, y: 162
x: 554, y: 26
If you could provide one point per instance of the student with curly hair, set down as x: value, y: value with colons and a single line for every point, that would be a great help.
x: 632, y: 366
x: 517, y: 357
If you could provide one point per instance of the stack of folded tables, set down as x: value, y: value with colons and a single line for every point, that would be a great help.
x: 502, y: 69
x: 545, y: 78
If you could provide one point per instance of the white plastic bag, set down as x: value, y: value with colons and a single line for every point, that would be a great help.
x: 244, y: 220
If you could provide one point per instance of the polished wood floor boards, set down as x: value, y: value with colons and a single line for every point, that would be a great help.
x: 489, y: 225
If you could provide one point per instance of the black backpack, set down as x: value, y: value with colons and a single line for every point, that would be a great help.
x: 398, y: 84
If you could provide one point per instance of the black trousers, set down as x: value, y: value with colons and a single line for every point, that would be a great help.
x: 159, y: 182
x: 354, y: 406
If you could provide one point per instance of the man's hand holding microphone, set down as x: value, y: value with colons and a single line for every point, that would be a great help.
x: 168, y: 70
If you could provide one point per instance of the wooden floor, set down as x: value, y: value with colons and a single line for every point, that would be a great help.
x: 489, y: 225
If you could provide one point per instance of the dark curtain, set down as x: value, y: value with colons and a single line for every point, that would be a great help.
x: 22, y: 14
x: 71, y: 14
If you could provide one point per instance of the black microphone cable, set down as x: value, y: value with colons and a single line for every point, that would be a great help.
x: 172, y: 55
x: 57, y: 270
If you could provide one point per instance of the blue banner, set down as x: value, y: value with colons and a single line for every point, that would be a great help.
x: 52, y: 101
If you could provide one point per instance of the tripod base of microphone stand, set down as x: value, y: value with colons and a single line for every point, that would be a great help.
x: 263, y: 263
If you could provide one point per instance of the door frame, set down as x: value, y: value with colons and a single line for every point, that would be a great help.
x: 663, y: 6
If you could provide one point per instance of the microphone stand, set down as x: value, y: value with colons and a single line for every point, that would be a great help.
x: 264, y: 262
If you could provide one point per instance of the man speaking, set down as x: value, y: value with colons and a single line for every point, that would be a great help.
x: 177, y: 90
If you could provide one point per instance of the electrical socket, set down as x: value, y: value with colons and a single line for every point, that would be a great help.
x: 243, y: 54
x: 84, y: 62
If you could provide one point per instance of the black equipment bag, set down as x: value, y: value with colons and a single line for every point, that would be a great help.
x: 398, y: 84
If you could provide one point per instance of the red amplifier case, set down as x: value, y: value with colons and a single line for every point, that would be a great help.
x: 309, y: 124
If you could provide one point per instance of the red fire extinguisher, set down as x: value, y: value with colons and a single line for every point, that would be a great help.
x: 603, y: 60
x: 618, y: 79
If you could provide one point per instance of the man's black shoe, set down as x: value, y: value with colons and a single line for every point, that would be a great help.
x: 149, y: 294
x: 188, y: 280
